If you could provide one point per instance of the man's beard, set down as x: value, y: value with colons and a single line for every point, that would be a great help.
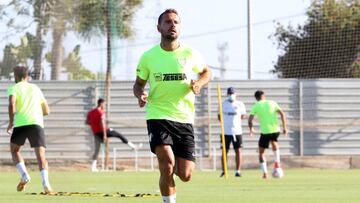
x: 169, y: 38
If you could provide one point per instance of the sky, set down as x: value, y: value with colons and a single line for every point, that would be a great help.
x: 205, y: 26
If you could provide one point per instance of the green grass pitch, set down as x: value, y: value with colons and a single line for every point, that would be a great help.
x: 297, y: 186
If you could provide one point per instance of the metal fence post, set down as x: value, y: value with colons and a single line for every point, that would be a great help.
x: 214, y: 158
x: 114, y: 159
x: 136, y: 160
x: 301, y: 120
x: 96, y: 94
x: 209, y: 117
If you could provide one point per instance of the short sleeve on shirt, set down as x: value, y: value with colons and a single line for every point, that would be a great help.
x: 102, y: 115
x: 142, y: 70
x: 276, y: 106
x: 199, y: 63
x: 41, y: 95
x: 243, y: 109
x: 11, y: 91
x: 253, y: 110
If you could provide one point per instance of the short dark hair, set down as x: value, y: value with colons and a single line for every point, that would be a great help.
x: 258, y: 94
x: 100, y: 101
x: 21, y: 72
x: 231, y: 90
x: 169, y: 10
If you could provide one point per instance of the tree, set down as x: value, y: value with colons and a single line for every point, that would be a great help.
x: 14, y: 55
x: 61, y: 15
x: 41, y: 12
x: 9, y: 61
x: 110, y: 18
x: 75, y: 68
x: 88, y: 18
x: 327, y: 46
x: 25, y: 51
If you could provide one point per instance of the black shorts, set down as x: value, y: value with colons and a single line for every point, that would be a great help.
x: 237, y: 142
x: 266, y: 138
x: 34, y: 133
x: 180, y: 136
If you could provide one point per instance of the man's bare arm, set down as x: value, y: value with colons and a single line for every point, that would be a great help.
x: 139, y: 91
x: 283, y: 121
x: 250, y: 121
x: 45, y: 108
x: 87, y: 122
x: 11, y: 111
x: 251, y: 125
x: 204, y: 79
x: 104, y: 128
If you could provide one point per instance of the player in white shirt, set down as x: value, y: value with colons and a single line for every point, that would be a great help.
x: 233, y: 113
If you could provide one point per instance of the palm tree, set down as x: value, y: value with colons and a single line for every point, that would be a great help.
x: 111, y: 18
x: 41, y: 15
x: 61, y: 17
x: 89, y: 19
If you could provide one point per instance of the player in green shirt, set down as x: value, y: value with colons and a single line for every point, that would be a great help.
x: 27, y: 106
x: 267, y: 113
x: 170, y: 108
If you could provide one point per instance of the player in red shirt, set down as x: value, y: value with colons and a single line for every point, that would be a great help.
x: 96, y: 119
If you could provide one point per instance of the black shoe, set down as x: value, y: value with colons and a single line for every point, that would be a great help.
x: 222, y: 174
x: 237, y: 174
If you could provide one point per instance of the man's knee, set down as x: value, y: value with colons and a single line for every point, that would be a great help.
x: 274, y: 145
x: 167, y: 168
x: 14, y: 151
x: 14, y: 148
x: 185, y: 175
x: 166, y: 160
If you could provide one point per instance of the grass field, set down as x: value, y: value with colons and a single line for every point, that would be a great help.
x: 298, y: 186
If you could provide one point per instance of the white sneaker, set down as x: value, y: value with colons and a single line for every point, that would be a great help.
x: 22, y: 184
x: 94, y: 170
x: 48, y: 190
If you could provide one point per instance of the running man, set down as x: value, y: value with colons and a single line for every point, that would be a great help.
x: 267, y: 113
x: 170, y: 105
x: 96, y: 120
x: 27, y: 106
x: 234, y: 112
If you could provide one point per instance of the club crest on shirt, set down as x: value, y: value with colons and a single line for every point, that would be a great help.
x: 183, y: 62
x: 158, y: 76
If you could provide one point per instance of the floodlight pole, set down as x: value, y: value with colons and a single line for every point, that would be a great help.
x: 249, y: 26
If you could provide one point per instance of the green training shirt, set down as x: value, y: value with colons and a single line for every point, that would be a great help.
x: 267, y: 113
x: 28, y: 98
x: 169, y: 74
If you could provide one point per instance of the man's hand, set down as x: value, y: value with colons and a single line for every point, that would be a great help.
x: 9, y: 129
x: 142, y: 99
x: 252, y: 132
x: 195, y: 87
x: 139, y: 92
x: 285, y: 132
x: 105, y: 138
